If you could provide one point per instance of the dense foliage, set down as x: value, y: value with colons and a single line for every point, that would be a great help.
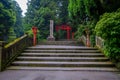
x: 108, y: 28
x: 7, y: 18
x: 18, y: 26
x: 40, y: 12
x: 85, y: 14
x: 10, y: 20
x: 81, y: 11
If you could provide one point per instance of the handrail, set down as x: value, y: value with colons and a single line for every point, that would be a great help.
x: 8, y: 52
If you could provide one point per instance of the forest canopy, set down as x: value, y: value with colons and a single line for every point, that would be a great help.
x: 40, y: 12
x: 10, y: 19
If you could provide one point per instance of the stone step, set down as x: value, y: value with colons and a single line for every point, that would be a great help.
x: 69, y: 59
x: 62, y: 51
x: 60, y: 48
x: 61, y: 43
x: 64, y: 54
x: 67, y: 41
x: 62, y: 64
x: 62, y: 57
x: 100, y: 69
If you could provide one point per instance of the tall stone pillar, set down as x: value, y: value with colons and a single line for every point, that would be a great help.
x: 51, y: 37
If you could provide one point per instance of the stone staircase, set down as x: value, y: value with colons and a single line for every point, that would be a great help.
x: 70, y: 42
x: 62, y: 57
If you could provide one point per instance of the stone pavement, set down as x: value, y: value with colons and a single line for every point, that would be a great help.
x: 57, y: 75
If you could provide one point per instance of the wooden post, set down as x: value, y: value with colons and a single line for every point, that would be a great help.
x: 1, y: 54
x: 68, y: 34
x: 34, y: 29
x: 73, y: 35
x: 34, y: 39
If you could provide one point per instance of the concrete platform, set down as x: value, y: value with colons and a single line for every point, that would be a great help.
x: 57, y: 75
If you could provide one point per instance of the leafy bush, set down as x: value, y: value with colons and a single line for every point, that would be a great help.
x: 108, y: 28
x: 81, y: 31
x: 30, y: 34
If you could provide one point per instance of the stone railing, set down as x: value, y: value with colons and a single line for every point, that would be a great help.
x: 84, y: 39
x: 99, y: 42
x: 8, y: 52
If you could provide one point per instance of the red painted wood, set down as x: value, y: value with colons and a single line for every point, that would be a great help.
x: 72, y: 35
x: 68, y: 34
x: 34, y: 30
x: 64, y: 27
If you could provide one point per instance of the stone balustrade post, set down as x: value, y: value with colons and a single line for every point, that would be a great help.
x: 87, y: 37
x: 2, y: 43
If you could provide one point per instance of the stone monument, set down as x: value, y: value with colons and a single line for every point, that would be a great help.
x: 51, y: 37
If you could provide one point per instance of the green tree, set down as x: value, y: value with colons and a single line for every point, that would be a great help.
x: 7, y: 18
x: 110, y: 5
x: 63, y: 11
x: 108, y: 28
x: 40, y: 12
x: 80, y: 10
x: 77, y: 13
x: 85, y: 13
x: 18, y: 27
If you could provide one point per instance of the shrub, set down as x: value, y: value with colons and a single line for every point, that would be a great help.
x: 108, y: 28
x: 30, y: 34
x: 81, y: 31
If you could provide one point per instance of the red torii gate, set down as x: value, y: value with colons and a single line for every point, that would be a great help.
x: 64, y: 27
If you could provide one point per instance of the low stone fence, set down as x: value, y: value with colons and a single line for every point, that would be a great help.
x: 99, y: 42
x: 8, y: 52
x: 84, y: 40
